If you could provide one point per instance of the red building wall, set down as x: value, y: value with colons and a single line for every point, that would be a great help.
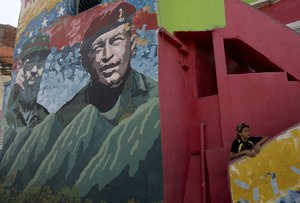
x: 211, y: 81
x: 285, y: 11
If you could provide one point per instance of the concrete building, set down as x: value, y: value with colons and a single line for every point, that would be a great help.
x: 212, y: 78
x: 160, y: 129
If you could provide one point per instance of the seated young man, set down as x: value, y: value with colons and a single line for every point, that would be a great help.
x: 244, y: 144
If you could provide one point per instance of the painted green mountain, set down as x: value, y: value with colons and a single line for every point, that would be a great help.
x: 76, y: 145
x: 97, y: 159
x: 123, y: 148
x: 13, y: 149
x: 33, y: 152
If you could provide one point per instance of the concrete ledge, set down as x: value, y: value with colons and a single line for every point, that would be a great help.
x: 262, y: 3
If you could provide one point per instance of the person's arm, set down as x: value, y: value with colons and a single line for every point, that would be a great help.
x: 249, y: 153
x: 258, y: 144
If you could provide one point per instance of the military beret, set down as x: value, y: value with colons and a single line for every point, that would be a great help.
x: 112, y: 16
x: 37, y: 43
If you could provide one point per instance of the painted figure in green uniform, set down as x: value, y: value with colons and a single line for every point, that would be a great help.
x: 22, y: 112
x: 116, y: 88
x: 128, y: 100
x: 110, y: 150
x: 22, y: 109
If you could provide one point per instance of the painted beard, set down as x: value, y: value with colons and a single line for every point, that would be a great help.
x: 29, y: 94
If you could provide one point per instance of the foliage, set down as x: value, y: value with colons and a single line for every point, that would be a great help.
x: 39, y: 195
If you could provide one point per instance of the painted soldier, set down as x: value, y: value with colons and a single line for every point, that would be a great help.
x: 111, y: 149
x: 129, y: 101
x: 22, y: 109
x: 109, y: 43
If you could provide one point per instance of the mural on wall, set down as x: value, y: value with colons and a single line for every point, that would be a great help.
x: 22, y: 109
x: 83, y: 111
x: 273, y: 175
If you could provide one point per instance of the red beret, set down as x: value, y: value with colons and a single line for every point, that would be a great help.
x: 113, y: 15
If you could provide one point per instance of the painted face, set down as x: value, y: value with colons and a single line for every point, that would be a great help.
x: 245, y: 133
x: 110, y: 56
x: 30, y: 76
x: 33, y: 70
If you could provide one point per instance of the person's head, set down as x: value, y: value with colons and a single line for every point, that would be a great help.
x: 108, y: 45
x: 243, y: 131
x: 32, y: 64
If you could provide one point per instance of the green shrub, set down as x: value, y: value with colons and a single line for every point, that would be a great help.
x: 39, y: 195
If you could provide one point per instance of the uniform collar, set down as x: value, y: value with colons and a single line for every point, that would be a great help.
x: 135, y: 83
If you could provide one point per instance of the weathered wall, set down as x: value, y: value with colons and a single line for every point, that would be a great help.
x: 7, y: 35
x: 83, y: 111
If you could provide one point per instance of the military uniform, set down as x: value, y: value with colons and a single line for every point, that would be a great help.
x: 22, y: 109
x: 138, y: 89
x: 129, y: 132
x: 114, y: 155
x: 18, y: 115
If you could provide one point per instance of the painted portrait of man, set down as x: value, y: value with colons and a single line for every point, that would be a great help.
x: 107, y: 48
x: 109, y: 149
x: 128, y: 100
x: 23, y: 109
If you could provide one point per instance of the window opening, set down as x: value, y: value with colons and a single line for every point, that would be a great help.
x: 74, y: 7
x: 241, y: 58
